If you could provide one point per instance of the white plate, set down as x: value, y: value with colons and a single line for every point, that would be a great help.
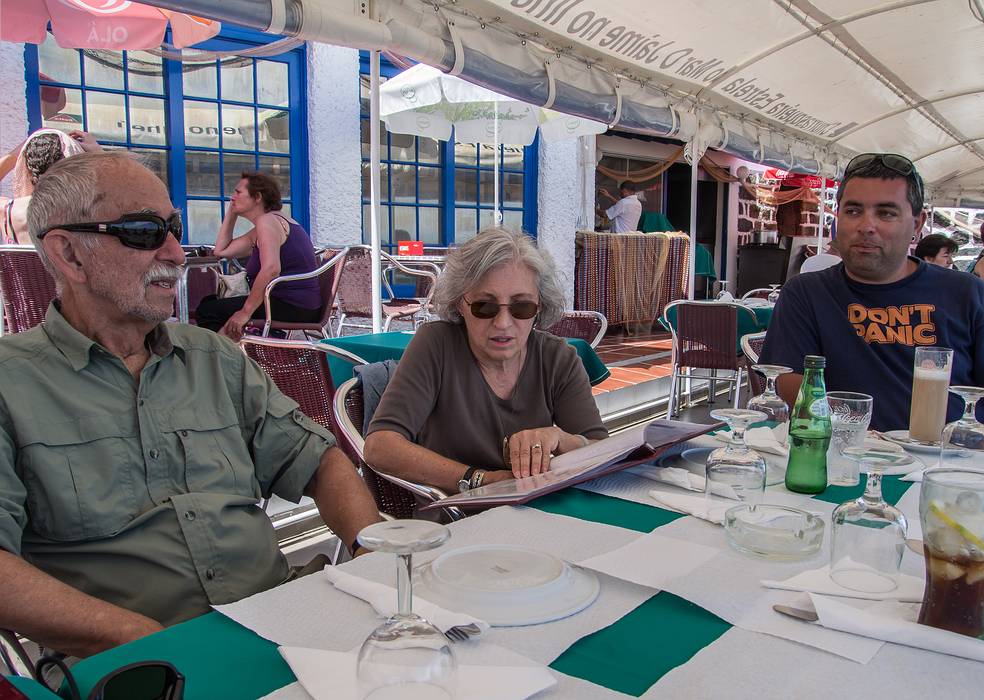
x: 901, y: 437
x: 694, y: 460
x: 507, y: 586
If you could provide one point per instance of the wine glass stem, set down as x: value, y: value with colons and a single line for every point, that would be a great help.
x: 738, y: 437
x: 872, y: 487
x: 970, y: 410
x: 770, y: 383
x: 404, y: 587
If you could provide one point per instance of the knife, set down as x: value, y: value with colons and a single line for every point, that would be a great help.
x: 798, y: 613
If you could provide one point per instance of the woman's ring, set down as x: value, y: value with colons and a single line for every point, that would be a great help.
x: 537, y: 446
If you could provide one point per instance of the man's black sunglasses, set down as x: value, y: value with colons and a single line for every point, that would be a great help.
x: 893, y: 161
x: 144, y: 680
x: 140, y: 231
x: 522, y: 310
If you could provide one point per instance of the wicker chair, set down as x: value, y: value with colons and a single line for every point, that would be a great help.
x: 589, y: 326
x: 705, y: 337
x: 355, y: 290
x: 394, y: 496
x: 26, y: 288
x: 329, y: 274
x: 751, y: 347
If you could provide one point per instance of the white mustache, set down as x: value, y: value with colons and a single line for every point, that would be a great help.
x: 162, y: 272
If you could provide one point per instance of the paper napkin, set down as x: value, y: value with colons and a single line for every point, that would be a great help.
x: 910, y: 588
x: 762, y: 439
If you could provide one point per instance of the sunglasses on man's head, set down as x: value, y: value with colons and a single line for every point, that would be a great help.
x: 522, y: 310
x: 893, y: 161
x: 140, y: 231
x: 144, y: 680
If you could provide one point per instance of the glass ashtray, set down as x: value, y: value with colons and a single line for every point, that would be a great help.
x: 773, y: 532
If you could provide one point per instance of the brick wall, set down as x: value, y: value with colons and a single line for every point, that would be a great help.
x: 753, y: 216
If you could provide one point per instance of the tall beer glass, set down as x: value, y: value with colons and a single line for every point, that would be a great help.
x: 930, y: 380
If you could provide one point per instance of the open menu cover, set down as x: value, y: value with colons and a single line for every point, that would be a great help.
x: 636, y: 445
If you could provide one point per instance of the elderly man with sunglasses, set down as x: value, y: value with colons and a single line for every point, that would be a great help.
x: 133, y: 452
x: 868, y: 314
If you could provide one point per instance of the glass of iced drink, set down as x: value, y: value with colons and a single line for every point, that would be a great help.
x: 951, y: 509
x: 930, y: 379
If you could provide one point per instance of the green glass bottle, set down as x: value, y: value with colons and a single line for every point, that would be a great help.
x: 809, y: 431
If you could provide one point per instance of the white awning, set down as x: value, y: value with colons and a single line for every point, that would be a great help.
x: 796, y: 84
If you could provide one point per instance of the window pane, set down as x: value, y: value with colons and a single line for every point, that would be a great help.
x: 147, y: 123
x: 382, y: 140
x: 512, y: 189
x: 428, y: 150
x: 383, y: 181
x: 512, y: 220
x: 429, y: 185
x: 402, y: 147
x: 105, y: 69
x: 404, y: 183
x: 485, y: 219
x: 404, y: 224
x: 58, y: 64
x: 61, y: 108
x: 465, y: 224
x: 486, y: 155
x: 199, y: 79
x: 202, y: 173
x: 279, y: 169
x: 274, y: 130
x: 233, y: 165
x: 512, y: 157
x: 465, y: 187
x: 430, y: 225
x: 145, y: 72
x: 155, y: 159
x: 271, y: 83
x: 237, y: 80
x: 487, y: 186
x: 204, y: 218
x: 364, y: 95
x: 465, y: 154
x: 286, y: 210
x: 238, y: 129
x: 201, y: 123
x: 383, y: 224
x: 105, y: 116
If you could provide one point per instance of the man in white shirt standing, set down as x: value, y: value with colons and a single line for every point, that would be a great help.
x: 627, y: 211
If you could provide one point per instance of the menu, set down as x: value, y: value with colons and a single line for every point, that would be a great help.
x: 628, y: 448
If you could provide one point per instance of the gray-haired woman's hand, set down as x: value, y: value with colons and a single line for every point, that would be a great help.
x: 530, y: 450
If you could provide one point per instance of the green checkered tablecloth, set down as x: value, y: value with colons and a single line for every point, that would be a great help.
x: 376, y: 347
x: 222, y: 660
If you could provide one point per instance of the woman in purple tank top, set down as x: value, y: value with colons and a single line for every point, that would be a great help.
x: 276, y: 245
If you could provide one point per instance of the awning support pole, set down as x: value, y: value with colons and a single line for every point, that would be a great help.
x: 691, y: 259
x: 823, y: 199
x: 374, y: 212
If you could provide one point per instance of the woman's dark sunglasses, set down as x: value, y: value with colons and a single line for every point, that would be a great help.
x: 522, y: 310
x: 893, y: 161
x: 140, y: 231
x: 144, y: 680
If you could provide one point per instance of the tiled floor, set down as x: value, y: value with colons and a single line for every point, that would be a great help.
x: 633, y: 360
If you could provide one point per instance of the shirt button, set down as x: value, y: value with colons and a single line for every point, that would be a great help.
x: 140, y: 402
x: 209, y: 574
x: 189, y: 515
x: 184, y: 433
x: 154, y: 454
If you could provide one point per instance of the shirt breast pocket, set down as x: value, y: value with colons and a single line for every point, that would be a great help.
x: 78, y: 479
x: 216, y: 459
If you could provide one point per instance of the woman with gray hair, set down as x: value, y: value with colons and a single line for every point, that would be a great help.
x: 482, y: 395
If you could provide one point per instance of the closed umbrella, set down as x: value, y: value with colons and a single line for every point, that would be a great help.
x: 100, y: 24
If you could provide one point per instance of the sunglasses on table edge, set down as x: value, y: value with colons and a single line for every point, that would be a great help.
x: 521, y: 310
x: 139, y: 231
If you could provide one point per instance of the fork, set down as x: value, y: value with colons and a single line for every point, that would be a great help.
x: 461, y: 633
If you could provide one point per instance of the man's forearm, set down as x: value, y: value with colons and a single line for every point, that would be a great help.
x: 787, y: 386
x: 60, y: 617
x: 342, y: 497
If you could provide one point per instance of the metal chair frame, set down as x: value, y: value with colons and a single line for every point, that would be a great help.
x: 677, y: 374
x: 326, y: 268
x: 596, y: 315
x: 392, y: 263
x: 353, y: 436
x: 757, y: 293
x: 756, y: 384
x: 14, y: 656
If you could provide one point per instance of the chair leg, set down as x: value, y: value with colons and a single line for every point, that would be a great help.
x: 341, y: 322
x: 688, y: 386
x: 386, y: 324
x: 712, y: 386
x: 674, y: 381
x: 737, y: 387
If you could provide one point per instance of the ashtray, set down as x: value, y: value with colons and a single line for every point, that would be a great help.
x: 773, y: 532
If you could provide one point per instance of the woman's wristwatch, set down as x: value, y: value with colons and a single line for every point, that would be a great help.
x: 472, y: 479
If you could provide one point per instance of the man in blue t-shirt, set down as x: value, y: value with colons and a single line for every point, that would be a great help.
x: 868, y: 314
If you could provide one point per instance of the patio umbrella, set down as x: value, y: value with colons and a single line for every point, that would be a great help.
x: 100, y: 24
x: 423, y: 101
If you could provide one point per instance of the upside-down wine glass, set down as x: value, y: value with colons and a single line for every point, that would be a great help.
x: 774, y: 294
x: 736, y: 471
x: 769, y: 402
x: 965, y: 437
x: 406, y: 657
x: 868, y: 534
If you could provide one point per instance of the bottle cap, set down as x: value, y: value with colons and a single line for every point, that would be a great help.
x: 815, y: 362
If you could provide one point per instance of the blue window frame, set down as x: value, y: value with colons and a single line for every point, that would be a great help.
x: 197, y: 125
x: 441, y: 192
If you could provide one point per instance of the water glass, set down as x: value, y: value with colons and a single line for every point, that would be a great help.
x: 850, y: 414
x: 930, y: 380
x: 736, y: 471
